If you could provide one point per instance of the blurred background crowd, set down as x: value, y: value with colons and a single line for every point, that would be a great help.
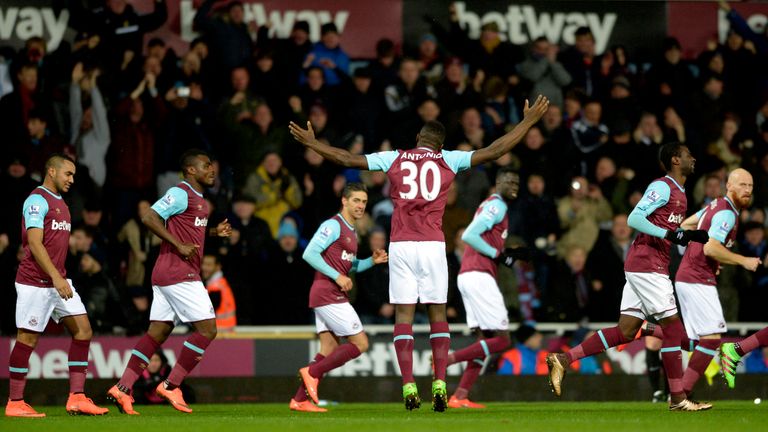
x: 126, y: 107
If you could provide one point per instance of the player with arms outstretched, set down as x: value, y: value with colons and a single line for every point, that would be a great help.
x: 180, y: 219
x: 420, y: 178
x: 332, y: 252
x: 648, y: 291
x: 486, y: 314
x: 43, y: 292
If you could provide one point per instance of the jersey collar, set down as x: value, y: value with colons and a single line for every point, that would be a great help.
x: 733, y: 206
x: 682, y: 189
x: 345, y: 222
x: 193, y: 189
x: 49, y: 192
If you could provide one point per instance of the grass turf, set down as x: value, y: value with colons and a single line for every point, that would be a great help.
x: 540, y: 416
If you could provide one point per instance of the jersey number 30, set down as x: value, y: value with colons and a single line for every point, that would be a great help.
x: 429, y: 191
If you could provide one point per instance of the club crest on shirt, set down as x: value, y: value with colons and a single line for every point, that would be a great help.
x: 58, y: 210
x: 653, y: 196
x: 348, y: 240
x: 34, y: 210
x: 199, y: 207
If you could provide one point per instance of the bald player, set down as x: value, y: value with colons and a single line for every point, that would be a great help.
x: 696, y: 280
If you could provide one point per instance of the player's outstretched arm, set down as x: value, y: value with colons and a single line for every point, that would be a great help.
x: 509, y: 140
x: 333, y: 154
x: 691, y: 222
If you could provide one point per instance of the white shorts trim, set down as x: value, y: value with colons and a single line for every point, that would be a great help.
x: 483, y: 301
x: 36, y: 305
x: 418, y: 272
x: 183, y: 302
x: 701, y: 309
x: 339, y: 319
x: 648, y: 295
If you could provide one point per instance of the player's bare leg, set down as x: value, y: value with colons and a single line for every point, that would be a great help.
x: 310, y: 375
x: 78, y: 404
x: 602, y: 340
x: 26, y: 341
x: 440, y: 340
x: 120, y: 393
x: 403, y: 341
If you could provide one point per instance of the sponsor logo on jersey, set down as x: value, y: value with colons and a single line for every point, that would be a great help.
x: 504, y: 234
x: 34, y: 210
x: 60, y: 226
x: 729, y: 244
x: 201, y: 222
x: 347, y: 256
x: 675, y: 218
x: 653, y: 196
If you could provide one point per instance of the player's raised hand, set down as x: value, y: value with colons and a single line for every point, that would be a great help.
x: 380, y: 256
x: 537, y: 110
x: 304, y: 136
x: 187, y: 249
x: 344, y: 282
x: 751, y: 263
x: 63, y: 288
x: 224, y: 229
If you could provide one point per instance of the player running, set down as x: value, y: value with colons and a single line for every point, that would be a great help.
x: 731, y: 353
x: 43, y: 292
x: 333, y: 253
x: 648, y: 291
x: 696, y: 278
x: 180, y: 219
x: 486, y: 313
x: 420, y: 178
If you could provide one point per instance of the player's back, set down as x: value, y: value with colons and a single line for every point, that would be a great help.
x: 419, y: 182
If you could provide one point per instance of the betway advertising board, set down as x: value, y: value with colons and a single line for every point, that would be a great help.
x: 109, y: 356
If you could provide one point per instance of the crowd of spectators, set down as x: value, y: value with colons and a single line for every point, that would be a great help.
x: 126, y: 110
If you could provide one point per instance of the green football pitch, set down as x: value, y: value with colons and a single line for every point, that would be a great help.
x: 540, y: 417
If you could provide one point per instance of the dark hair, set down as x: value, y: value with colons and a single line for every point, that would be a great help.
x: 505, y: 171
x: 328, y: 28
x: 433, y: 132
x: 56, y: 159
x: 541, y: 39
x: 667, y: 152
x: 216, y: 257
x: 353, y: 187
x: 583, y: 31
x: 234, y: 4
x: 155, y: 42
x: 385, y: 47
x: 188, y: 158
x: 196, y: 41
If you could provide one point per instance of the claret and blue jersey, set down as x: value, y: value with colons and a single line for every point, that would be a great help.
x: 485, y: 236
x: 419, y: 179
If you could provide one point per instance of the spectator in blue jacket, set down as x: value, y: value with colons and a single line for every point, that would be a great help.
x: 329, y: 55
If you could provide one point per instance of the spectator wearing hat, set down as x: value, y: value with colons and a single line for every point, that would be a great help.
x: 542, y: 69
x: 287, y: 270
x: 429, y: 56
x: 620, y: 105
x: 329, y: 55
x: 527, y: 357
